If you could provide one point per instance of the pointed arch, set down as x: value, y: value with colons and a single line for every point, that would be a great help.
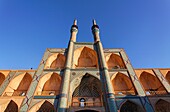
x: 89, y: 86
x: 12, y: 107
x: 59, y: 62
x: 89, y: 89
x: 129, y: 106
x: 151, y: 84
x: 23, y: 86
x: 162, y: 106
x: 115, y: 61
x: 52, y: 85
x: 56, y: 60
x: 122, y: 85
x: 85, y: 57
x: 19, y: 85
x: 2, y: 78
x: 47, y: 107
x: 168, y: 77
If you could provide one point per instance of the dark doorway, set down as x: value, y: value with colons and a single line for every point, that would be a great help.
x: 129, y: 106
x: 86, y: 111
x: 12, y: 107
x: 47, y: 107
x: 162, y: 106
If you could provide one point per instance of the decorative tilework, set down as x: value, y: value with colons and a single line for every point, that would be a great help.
x: 7, y: 81
x: 25, y: 104
x: 162, y: 79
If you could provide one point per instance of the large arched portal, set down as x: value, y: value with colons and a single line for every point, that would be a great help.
x: 162, y: 106
x: 88, y: 93
x: 129, y: 106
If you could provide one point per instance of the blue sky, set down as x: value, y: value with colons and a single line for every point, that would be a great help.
x: 28, y: 27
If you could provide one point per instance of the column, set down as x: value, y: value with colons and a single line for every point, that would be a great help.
x: 63, y: 101
x: 6, y: 81
x: 30, y: 93
x: 162, y: 79
x: 144, y: 99
x: 108, y: 90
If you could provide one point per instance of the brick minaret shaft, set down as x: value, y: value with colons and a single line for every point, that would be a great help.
x: 108, y: 90
x: 63, y: 101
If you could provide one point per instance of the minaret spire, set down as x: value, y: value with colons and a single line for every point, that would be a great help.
x: 74, y: 30
x: 75, y: 22
x: 95, y: 30
x: 94, y: 22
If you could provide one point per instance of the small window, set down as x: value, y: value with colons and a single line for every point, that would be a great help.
x: 82, y: 102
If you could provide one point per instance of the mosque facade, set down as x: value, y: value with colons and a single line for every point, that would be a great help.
x: 85, y: 77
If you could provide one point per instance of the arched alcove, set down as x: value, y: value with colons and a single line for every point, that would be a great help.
x: 114, y: 61
x: 129, y: 106
x: 162, y: 106
x: 49, y: 84
x: 56, y: 60
x: 88, y: 89
x: 23, y: 86
x: 19, y: 85
x: 122, y: 85
x: 85, y: 57
x: 151, y: 84
x: 12, y: 107
x: 47, y: 107
x: 59, y: 62
x: 168, y: 77
x: 2, y: 78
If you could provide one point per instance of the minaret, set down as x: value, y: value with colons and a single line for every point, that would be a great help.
x: 74, y: 30
x: 63, y: 101
x: 95, y: 31
x: 108, y: 90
